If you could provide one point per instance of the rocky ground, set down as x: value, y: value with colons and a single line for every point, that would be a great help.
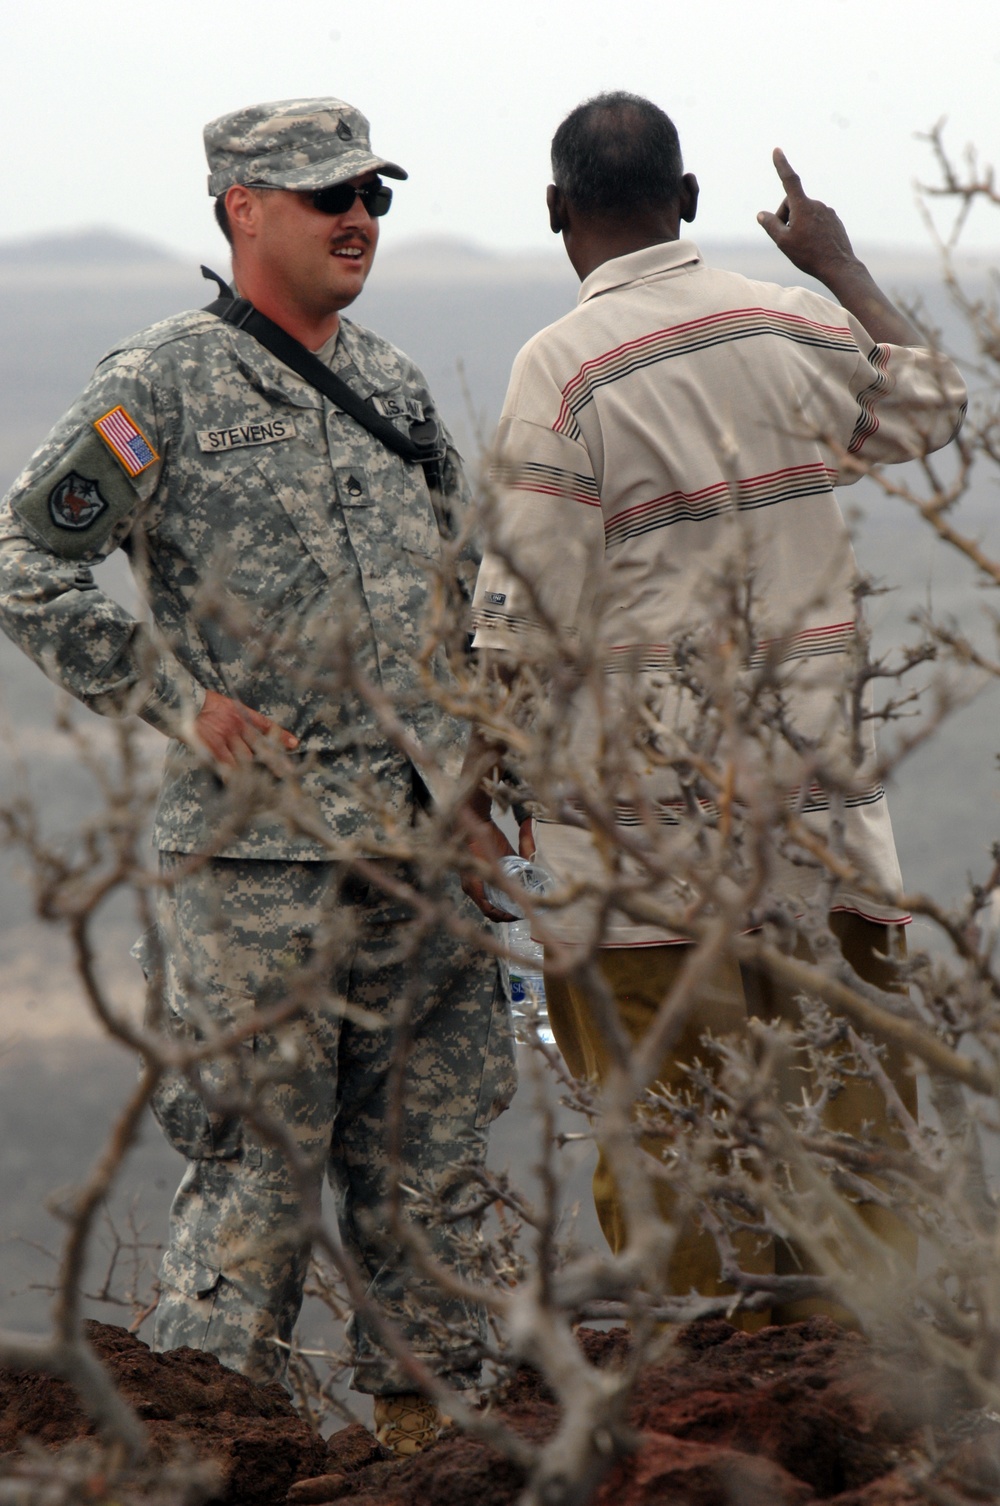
x: 787, y: 1417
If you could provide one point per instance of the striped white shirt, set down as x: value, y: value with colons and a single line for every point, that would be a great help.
x: 678, y: 421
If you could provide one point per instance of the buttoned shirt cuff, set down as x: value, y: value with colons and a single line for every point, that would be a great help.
x: 174, y: 701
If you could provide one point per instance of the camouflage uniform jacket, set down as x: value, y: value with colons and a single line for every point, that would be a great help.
x: 275, y: 541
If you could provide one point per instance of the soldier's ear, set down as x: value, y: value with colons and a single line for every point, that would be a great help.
x: 243, y: 209
x: 556, y: 205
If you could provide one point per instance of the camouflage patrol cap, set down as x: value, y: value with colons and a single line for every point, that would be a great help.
x: 291, y: 143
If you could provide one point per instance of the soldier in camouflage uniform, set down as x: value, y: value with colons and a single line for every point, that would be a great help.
x: 275, y: 538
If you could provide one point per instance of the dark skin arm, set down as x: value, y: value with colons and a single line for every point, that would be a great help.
x: 484, y: 838
x: 812, y: 236
x: 484, y: 841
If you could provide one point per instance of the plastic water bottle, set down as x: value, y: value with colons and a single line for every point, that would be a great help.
x: 527, y: 982
x: 523, y: 979
x: 524, y: 874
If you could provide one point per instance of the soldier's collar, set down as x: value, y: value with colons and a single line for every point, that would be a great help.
x: 268, y: 374
x: 358, y: 364
x: 354, y: 360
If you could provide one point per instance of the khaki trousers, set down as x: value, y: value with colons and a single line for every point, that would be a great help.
x: 640, y: 978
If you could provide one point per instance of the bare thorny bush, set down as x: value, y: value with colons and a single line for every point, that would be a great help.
x: 730, y: 1148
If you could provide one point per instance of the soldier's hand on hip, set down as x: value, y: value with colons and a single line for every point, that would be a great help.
x: 807, y: 231
x: 231, y: 731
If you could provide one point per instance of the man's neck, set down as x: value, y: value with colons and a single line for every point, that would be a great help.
x: 311, y: 330
x: 593, y: 245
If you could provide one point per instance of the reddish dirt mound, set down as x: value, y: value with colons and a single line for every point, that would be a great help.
x: 787, y: 1417
x: 188, y: 1401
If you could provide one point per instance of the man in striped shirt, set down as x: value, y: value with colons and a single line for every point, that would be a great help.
x: 665, y: 528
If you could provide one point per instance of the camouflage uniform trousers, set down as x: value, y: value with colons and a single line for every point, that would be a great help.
x: 237, y: 936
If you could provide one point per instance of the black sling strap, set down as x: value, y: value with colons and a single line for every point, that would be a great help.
x: 425, y: 444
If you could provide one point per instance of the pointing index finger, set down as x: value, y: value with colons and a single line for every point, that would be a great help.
x: 790, y: 180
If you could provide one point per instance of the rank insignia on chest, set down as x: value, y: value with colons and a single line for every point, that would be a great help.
x: 126, y: 441
x: 76, y: 502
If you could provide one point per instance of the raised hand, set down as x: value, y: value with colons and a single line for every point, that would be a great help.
x: 812, y: 236
x: 807, y: 231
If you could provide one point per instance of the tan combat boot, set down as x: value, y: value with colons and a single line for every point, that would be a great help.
x: 407, y: 1423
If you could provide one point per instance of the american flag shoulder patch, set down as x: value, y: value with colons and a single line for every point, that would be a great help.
x: 126, y: 441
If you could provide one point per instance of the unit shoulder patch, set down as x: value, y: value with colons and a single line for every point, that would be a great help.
x: 126, y: 441
x: 240, y: 436
x: 75, y: 502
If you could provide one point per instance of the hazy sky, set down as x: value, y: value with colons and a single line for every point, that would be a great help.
x: 102, y: 104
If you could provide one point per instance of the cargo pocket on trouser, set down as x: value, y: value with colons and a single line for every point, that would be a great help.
x: 181, y: 1103
x: 186, y: 1306
x: 232, y: 1277
x: 188, y: 1274
x: 499, y: 1079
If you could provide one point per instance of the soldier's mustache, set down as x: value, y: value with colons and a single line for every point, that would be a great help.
x: 351, y: 238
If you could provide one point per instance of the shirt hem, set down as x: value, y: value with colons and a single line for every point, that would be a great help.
x: 635, y: 945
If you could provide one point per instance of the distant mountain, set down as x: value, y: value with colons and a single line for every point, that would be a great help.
x: 445, y: 259
x: 98, y: 246
x: 102, y: 248
x: 446, y: 247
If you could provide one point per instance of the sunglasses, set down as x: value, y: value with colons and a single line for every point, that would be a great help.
x: 340, y: 198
